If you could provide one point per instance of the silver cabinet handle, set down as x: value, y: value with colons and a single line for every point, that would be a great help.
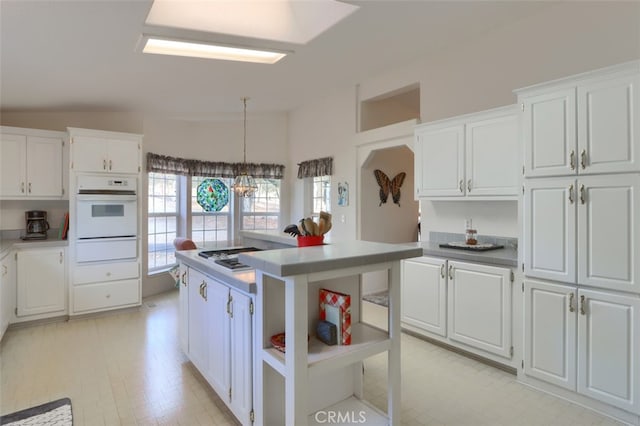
x: 184, y: 278
x: 469, y: 185
x: 572, y: 160
x: 582, y: 194
x: 450, y: 272
x: 571, y: 193
x: 571, y: 307
x: 461, y: 185
x: 22, y: 187
x: 29, y: 187
x: 104, y: 164
x: 109, y: 164
x: 583, y: 159
x: 442, y: 270
x: 230, y: 306
x: 582, y: 306
x: 201, y: 291
x: 4, y: 270
x: 204, y: 291
x: 61, y: 257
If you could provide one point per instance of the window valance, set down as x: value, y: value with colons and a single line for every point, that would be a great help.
x: 189, y: 167
x: 314, y: 168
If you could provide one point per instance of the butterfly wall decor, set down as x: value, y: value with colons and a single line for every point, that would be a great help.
x: 389, y: 186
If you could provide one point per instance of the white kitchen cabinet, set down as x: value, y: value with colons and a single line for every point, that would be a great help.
x: 475, y: 155
x: 241, y: 354
x: 550, y: 332
x: 479, y: 306
x: 609, y: 348
x: 584, y: 124
x: 198, y: 321
x: 424, y: 294
x: 41, y: 281
x: 183, y: 309
x: 584, y: 230
x: 31, y: 164
x: 218, y: 322
x: 7, y: 290
x: 584, y: 340
x: 104, y: 152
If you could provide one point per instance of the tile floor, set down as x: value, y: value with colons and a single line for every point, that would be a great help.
x: 127, y: 369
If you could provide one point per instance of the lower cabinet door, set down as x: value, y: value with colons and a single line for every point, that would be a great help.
x: 218, y: 306
x: 550, y: 332
x: 198, y: 320
x: 241, y: 335
x: 609, y: 353
x: 41, y: 281
x: 96, y: 297
x: 183, y: 315
x: 479, y: 311
x: 424, y: 294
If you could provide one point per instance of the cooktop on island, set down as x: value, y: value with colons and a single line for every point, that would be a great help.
x: 228, y: 257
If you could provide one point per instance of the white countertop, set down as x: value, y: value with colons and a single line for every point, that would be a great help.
x: 242, y: 280
x: 507, y: 256
x: 7, y: 244
x: 304, y: 260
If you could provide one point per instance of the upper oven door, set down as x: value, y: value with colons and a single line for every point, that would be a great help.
x: 106, y: 216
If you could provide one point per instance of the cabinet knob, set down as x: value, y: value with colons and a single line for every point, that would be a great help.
x: 572, y: 160
x: 571, y: 193
x: 571, y: 307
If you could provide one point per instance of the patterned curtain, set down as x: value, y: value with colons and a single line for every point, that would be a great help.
x: 183, y: 166
x: 314, y: 168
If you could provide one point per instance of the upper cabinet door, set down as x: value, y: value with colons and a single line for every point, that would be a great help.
x: 550, y: 228
x: 44, y: 167
x: 549, y: 133
x: 89, y: 154
x: 13, y: 160
x: 440, y: 162
x: 124, y: 156
x: 492, y: 160
x: 608, y: 122
x: 608, y: 234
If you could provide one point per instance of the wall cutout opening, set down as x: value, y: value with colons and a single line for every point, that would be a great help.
x: 391, y: 107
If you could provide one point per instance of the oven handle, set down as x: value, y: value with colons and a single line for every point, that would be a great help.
x: 106, y: 198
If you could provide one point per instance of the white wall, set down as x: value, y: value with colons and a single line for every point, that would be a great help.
x: 560, y: 40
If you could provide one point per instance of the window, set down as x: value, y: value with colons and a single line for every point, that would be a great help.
x: 321, y: 195
x: 210, y: 226
x: 163, y: 219
x: 262, y: 210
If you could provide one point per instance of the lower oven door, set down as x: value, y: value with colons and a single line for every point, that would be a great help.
x: 100, y: 216
x: 97, y: 249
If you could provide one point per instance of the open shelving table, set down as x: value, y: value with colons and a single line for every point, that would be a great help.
x: 313, y: 382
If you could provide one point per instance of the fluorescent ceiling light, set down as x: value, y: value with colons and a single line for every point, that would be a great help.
x: 289, y: 21
x: 164, y: 46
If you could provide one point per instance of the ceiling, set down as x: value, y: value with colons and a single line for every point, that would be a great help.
x: 81, y: 56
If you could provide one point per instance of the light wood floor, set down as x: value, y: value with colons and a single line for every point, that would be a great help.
x: 127, y: 369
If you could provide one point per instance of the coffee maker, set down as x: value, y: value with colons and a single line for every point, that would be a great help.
x: 36, y: 225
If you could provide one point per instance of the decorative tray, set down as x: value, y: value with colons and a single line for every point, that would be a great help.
x: 475, y: 247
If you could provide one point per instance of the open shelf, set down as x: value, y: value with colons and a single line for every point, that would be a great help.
x: 349, y: 412
x: 366, y: 341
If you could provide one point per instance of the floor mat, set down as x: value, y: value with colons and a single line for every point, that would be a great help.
x: 54, y: 413
x: 379, y: 298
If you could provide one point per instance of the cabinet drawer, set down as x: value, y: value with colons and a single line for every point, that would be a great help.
x: 105, y: 272
x: 106, y: 249
x: 106, y: 295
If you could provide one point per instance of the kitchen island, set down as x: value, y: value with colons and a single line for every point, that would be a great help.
x: 311, y: 380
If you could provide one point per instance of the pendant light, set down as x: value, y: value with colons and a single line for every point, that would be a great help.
x: 244, y: 185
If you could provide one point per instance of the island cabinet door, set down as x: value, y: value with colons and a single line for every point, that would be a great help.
x: 479, y: 313
x: 550, y: 332
x: 219, y: 308
x: 183, y: 316
x: 198, y: 320
x: 241, y: 337
x: 424, y: 294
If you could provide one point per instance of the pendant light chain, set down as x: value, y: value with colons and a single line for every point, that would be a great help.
x: 245, y: 185
x: 245, y: 132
